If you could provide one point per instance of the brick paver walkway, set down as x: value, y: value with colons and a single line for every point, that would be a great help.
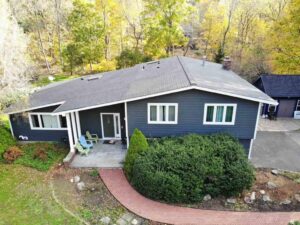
x: 118, y: 185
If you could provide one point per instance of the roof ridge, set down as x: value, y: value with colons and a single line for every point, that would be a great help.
x: 186, y: 72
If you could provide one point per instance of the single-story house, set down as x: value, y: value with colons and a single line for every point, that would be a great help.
x: 283, y: 88
x: 168, y: 97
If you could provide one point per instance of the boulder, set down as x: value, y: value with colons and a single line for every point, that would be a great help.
x: 134, y: 222
x: 271, y: 185
x: 262, y: 192
x: 286, y: 202
x: 76, y: 179
x: 105, y: 220
x: 231, y: 200
x: 72, y: 180
x: 252, y: 197
x: 266, y: 198
x: 297, y: 197
x: 80, y: 186
x: 247, y: 200
x: 207, y: 197
x: 274, y: 172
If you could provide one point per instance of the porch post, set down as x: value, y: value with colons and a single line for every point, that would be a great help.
x: 70, y: 135
x: 78, y: 123
x: 126, y: 124
x: 74, y: 127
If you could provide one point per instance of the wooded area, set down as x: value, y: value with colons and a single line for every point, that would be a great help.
x: 39, y: 38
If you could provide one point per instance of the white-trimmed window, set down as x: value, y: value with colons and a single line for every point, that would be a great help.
x: 46, y: 121
x: 298, y: 105
x: 162, y: 113
x: 219, y: 114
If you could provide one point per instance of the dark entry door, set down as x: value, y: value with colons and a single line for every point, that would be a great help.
x: 108, y: 125
x: 286, y: 108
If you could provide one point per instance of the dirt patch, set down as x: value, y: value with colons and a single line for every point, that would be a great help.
x: 287, y: 186
x: 91, y: 204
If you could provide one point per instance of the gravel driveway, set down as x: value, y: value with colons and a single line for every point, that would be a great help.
x: 280, y: 150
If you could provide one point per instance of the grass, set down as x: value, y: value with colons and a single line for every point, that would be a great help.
x: 58, y: 77
x: 25, y: 198
x: 55, y: 153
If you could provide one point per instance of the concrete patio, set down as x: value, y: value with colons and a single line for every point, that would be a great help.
x: 281, y: 124
x: 102, y: 156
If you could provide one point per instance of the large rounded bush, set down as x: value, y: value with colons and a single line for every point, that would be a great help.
x: 184, y: 169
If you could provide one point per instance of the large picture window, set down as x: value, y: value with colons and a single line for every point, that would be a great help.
x: 162, y: 113
x: 219, y: 114
x: 46, y: 121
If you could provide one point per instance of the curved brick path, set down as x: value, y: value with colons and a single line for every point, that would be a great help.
x: 118, y: 185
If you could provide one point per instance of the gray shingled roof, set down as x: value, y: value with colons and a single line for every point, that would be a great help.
x: 286, y: 86
x: 145, y: 79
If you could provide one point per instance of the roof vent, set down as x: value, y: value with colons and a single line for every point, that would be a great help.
x: 152, y: 62
x: 227, y: 63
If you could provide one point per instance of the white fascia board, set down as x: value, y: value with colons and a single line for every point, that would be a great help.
x: 170, y: 92
x: 38, y: 107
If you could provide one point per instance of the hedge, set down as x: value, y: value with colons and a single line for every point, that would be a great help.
x: 184, y: 169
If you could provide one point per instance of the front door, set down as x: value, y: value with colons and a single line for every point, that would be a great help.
x: 110, y: 124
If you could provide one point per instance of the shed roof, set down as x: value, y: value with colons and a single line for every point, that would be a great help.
x: 141, y: 81
x: 281, y: 85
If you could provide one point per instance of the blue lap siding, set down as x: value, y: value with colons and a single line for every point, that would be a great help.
x: 21, y: 126
x: 90, y: 119
x: 190, y: 116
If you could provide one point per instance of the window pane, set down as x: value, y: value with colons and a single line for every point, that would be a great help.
x: 153, y: 110
x: 162, y: 113
x: 172, y: 113
x: 35, y: 121
x: 229, y: 114
x: 209, y: 114
x: 49, y: 121
x: 63, y: 121
x: 219, y: 115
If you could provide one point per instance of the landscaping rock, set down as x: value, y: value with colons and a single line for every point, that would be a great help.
x: 105, y: 220
x: 263, y: 192
x: 81, y: 186
x: 266, y: 198
x: 252, y: 197
x: 274, y: 172
x: 207, y: 198
x: 286, y: 202
x: 122, y: 222
x: 231, y: 200
x: 72, y: 180
x: 271, y: 185
x: 127, y: 217
x: 76, y: 179
x: 134, y: 222
x: 247, y: 200
x: 297, y: 197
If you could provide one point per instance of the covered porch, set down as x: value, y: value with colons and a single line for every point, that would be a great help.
x: 109, y: 123
x: 102, y: 156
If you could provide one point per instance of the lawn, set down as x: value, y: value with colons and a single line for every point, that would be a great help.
x: 58, y: 77
x: 25, y: 198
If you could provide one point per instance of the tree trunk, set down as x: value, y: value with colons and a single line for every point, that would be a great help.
x: 57, y: 8
x: 43, y: 50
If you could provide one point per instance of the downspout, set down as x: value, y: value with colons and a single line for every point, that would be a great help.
x: 126, y: 125
x: 255, y: 131
x: 11, y: 128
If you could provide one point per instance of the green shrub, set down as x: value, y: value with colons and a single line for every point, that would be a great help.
x: 137, y: 145
x: 6, y: 139
x: 186, y: 168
